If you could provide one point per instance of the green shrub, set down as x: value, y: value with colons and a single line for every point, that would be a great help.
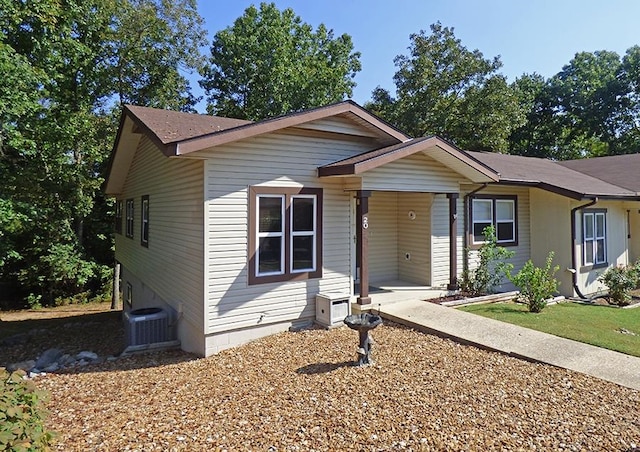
x: 536, y: 284
x: 491, y: 266
x: 21, y: 414
x: 620, y: 281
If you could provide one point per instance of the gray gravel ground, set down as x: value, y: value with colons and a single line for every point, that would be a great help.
x: 299, y: 392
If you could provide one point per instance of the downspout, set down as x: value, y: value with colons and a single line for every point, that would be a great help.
x: 467, y: 226
x: 574, y: 266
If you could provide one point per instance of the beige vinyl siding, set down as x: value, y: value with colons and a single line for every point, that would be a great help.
x: 338, y: 125
x: 634, y: 233
x: 416, y: 172
x: 414, y: 237
x: 383, y: 237
x: 171, y: 268
x: 523, y: 249
x: 440, y: 236
x: 551, y: 231
x: 616, y: 248
x: 440, y: 240
x: 279, y: 160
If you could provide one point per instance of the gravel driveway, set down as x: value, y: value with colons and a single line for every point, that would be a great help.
x: 299, y: 392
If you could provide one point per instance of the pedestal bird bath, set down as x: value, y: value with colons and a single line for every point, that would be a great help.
x: 363, y: 323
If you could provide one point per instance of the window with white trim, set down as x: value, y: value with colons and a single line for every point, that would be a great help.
x: 285, y: 239
x: 497, y: 211
x: 129, y: 218
x: 594, y: 237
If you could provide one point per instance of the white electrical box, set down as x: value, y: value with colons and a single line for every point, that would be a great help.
x: 332, y: 308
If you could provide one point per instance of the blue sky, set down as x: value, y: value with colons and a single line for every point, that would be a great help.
x: 529, y: 35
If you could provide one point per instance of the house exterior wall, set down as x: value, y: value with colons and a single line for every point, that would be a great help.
x: 234, y: 310
x: 440, y: 233
x: 551, y: 231
x: 617, y: 253
x: 414, y: 237
x: 414, y: 173
x: 383, y: 237
x: 634, y: 232
x: 168, y: 273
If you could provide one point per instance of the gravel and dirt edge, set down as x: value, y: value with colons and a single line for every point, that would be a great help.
x: 299, y: 391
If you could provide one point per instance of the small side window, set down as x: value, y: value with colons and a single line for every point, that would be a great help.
x: 129, y: 218
x: 119, y: 216
x: 144, y: 221
x: 129, y: 294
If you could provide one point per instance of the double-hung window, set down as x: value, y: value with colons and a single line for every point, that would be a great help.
x: 144, y: 221
x: 129, y: 218
x: 497, y: 211
x: 594, y: 237
x: 285, y: 234
x: 119, y: 216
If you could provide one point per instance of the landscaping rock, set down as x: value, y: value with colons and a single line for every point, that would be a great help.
x: 53, y: 360
x: 22, y: 365
x: 48, y: 357
x: 90, y: 356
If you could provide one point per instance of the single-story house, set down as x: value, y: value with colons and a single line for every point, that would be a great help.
x: 236, y: 226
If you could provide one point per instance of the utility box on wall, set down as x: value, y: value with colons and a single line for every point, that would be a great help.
x: 332, y: 308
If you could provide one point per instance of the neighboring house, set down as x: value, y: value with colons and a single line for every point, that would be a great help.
x: 236, y: 226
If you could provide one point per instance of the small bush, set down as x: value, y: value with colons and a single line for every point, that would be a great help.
x: 21, y: 414
x: 536, y: 284
x: 620, y: 281
x: 491, y: 266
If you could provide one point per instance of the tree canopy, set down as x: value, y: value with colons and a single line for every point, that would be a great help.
x: 444, y: 89
x: 270, y: 63
x: 69, y: 66
x: 590, y: 108
x: 67, y: 69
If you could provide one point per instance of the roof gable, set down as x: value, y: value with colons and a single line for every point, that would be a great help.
x: 447, y: 154
x: 177, y: 133
x: 375, y: 127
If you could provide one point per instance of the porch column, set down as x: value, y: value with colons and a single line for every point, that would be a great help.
x: 453, y: 241
x: 362, y: 215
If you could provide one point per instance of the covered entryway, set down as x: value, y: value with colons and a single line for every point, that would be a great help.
x: 406, y: 221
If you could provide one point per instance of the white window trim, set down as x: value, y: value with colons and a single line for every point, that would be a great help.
x: 593, y: 240
x: 512, y: 221
x: 311, y: 234
x: 280, y: 234
x: 473, y: 225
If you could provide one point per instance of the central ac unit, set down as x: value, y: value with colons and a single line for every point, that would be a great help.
x: 147, y: 326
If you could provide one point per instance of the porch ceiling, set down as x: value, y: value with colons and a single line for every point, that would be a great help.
x: 438, y: 149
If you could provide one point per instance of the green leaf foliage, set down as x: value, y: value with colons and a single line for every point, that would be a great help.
x: 621, y: 280
x: 69, y: 66
x: 21, y: 414
x: 536, y: 284
x: 444, y: 89
x: 270, y: 63
x: 588, y: 109
x: 490, y: 268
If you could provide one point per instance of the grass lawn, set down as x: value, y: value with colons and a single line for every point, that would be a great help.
x: 596, y: 325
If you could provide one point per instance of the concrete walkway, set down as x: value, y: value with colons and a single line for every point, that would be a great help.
x: 517, y: 341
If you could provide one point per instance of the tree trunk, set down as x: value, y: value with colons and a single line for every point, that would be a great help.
x: 115, y: 296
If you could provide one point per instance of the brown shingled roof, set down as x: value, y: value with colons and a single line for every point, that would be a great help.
x: 172, y: 126
x: 551, y: 176
x: 621, y: 170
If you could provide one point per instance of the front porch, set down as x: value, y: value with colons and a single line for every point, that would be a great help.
x: 390, y: 292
